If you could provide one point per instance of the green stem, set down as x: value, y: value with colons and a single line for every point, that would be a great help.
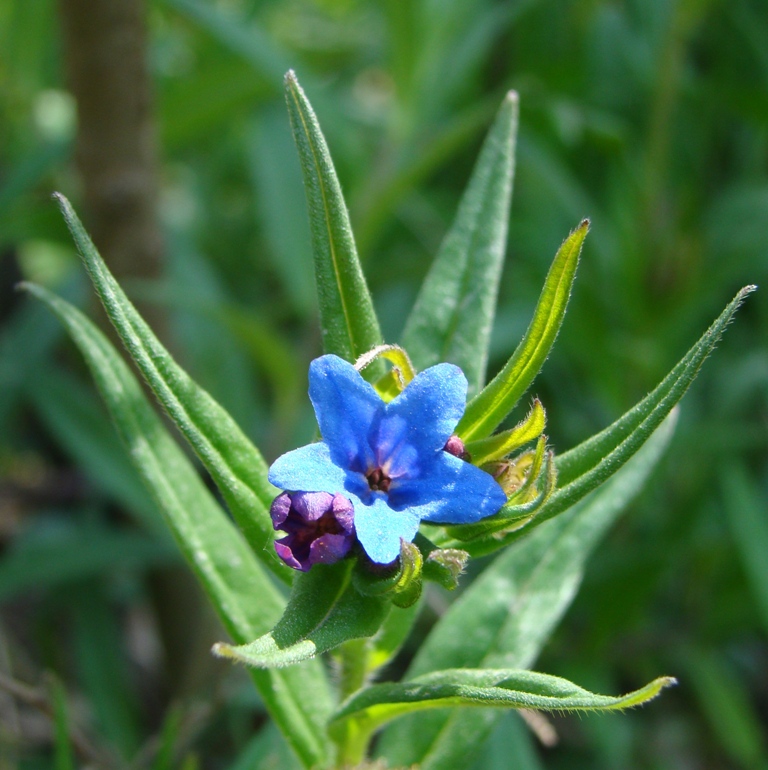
x: 354, y: 659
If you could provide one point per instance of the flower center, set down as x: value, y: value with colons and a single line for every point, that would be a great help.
x: 378, y: 481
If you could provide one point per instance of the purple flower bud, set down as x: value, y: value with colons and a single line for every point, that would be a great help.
x: 319, y: 528
x: 455, y: 446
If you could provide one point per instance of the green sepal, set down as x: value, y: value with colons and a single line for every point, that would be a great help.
x: 444, y: 567
x: 489, y: 408
x: 501, y: 444
x: 348, y: 321
x: 397, y: 378
x: 401, y: 582
x: 234, y: 463
x: 323, y: 612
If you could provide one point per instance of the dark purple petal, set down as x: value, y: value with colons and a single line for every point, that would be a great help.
x: 319, y: 528
x: 328, y: 549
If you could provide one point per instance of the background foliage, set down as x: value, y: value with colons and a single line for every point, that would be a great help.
x: 650, y: 117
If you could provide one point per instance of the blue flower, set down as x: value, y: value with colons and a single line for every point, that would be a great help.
x: 388, y: 458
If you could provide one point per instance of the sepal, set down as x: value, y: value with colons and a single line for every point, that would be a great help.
x: 400, y: 582
x: 498, y: 446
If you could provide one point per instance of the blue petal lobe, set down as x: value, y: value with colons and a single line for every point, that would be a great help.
x: 450, y: 491
x: 416, y: 424
x: 379, y: 529
x: 345, y: 406
x: 308, y: 469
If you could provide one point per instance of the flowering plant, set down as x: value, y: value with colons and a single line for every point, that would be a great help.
x: 408, y: 482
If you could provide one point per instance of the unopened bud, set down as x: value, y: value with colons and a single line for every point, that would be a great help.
x: 455, y: 446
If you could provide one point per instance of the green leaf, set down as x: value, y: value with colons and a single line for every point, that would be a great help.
x: 243, y: 595
x: 374, y: 706
x: 487, y: 409
x: 590, y: 454
x: 233, y: 461
x: 590, y: 464
x: 504, y: 618
x: 324, y: 611
x: 347, y: 319
x: 453, y: 315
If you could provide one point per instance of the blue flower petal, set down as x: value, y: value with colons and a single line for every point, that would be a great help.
x: 416, y: 424
x: 379, y: 529
x: 451, y: 491
x: 345, y: 406
x: 308, y: 469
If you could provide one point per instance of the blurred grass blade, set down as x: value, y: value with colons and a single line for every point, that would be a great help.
x: 64, y: 758
x: 724, y: 698
x: 38, y: 563
x: 378, y: 704
x: 80, y: 426
x: 347, y: 319
x: 744, y: 505
x: 246, y: 39
x: 324, y: 611
x: 487, y: 409
x: 504, y: 618
x: 453, y: 315
x: 233, y: 461
x: 392, y: 635
x: 501, y: 444
x: 105, y: 677
x: 243, y: 595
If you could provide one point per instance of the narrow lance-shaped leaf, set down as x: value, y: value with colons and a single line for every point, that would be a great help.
x: 374, y: 706
x: 487, y: 409
x: 590, y: 453
x: 347, y: 319
x: 246, y: 600
x: 324, y: 611
x: 622, y: 439
x: 504, y: 618
x: 233, y: 461
x: 453, y: 315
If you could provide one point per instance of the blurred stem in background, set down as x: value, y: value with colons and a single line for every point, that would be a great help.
x: 116, y: 147
x: 116, y: 154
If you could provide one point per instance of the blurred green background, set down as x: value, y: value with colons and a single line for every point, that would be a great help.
x: 648, y: 116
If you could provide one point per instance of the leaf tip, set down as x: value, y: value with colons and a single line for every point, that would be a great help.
x: 747, y: 290
x: 223, y: 650
x: 585, y: 224
x: 290, y: 78
x: 512, y: 98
